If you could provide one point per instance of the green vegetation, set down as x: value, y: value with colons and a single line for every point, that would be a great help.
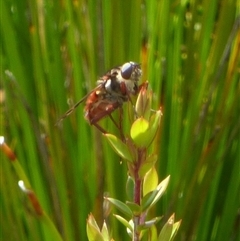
x: 52, y: 53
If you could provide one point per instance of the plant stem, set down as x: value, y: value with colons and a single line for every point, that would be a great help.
x: 137, y: 200
x: 138, y: 191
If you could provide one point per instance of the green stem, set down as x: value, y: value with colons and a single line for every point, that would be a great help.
x: 138, y: 191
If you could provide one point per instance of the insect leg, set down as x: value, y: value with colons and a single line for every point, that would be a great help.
x: 114, y: 122
x: 100, y: 128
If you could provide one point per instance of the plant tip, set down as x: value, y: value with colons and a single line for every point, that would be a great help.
x: 21, y: 184
x: 1, y: 140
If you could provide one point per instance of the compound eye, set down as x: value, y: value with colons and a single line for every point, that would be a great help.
x: 126, y: 70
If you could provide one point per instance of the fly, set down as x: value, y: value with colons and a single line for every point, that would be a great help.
x: 112, y: 90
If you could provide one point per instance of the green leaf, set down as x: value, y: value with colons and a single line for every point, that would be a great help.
x: 119, y: 147
x: 175, y: 229
x: 138, y: 131
x: 136, y: 209
x: 92, y: 222
x: 154, y: 125
x: 143, y: 132
x: 147, y: 165
x: 148, y: 199
x: 150, y: 181
x: 124, y: 222
x: 130, y: 188
x: 152, y: 233
x: 166, y: 232
x: 161, y: 189
x: 105, y: 232
x: 152, y: 197
x: 144, y: 102
x: 149, y: 223
x: 121, y: 206
x: 93, y: 231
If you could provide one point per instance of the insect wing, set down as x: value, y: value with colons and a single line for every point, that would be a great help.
x: 67, y: 113
x: 101, y: 108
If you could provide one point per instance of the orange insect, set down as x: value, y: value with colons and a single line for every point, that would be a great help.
x: 113, y: 89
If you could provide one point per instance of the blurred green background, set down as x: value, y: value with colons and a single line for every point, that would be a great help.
x: 52, y: 53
